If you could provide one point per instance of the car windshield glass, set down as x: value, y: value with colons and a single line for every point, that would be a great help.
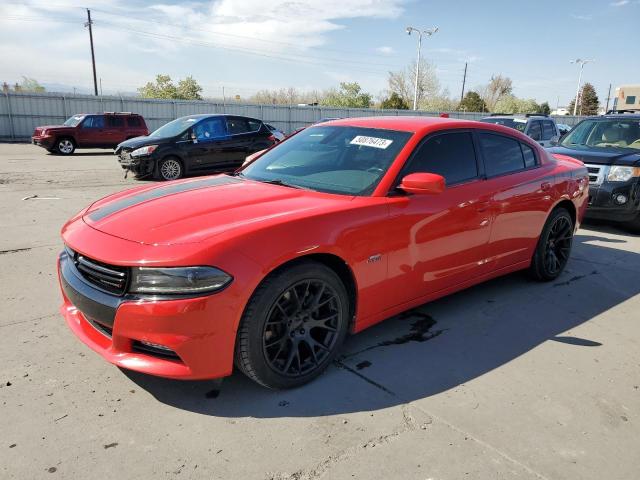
x: 507, y: 122
x: 334, y: 159
x: 607, y: 133
x: 175, y: 128
x: 73, y: 121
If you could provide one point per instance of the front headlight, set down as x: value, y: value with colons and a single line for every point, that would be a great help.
x: 622, y: 174
x: 144, y: 151
x: 177, y: 280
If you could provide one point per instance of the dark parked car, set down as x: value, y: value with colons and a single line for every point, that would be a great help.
x: 610, y: 147
x: 90, y: 130
x: 539, y: 127
x: 195, y: 144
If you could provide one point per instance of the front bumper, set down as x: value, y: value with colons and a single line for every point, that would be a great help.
x: 198, y: 332
x: 44, y: 141
x: 140, y: 167
x: 602, y: 204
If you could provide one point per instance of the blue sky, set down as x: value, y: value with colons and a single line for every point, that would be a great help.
x: 246, y: 45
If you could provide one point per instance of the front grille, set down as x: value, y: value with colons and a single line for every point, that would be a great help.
x: 596, y: 173
x: 140, y: 347
x: 110, y: 278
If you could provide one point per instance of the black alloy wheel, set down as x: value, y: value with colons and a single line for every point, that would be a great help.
x: 293, y: 325
x: 554, y: 246
x: 301, y: 328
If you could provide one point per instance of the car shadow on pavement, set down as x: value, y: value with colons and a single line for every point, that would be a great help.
x: 437, y: 346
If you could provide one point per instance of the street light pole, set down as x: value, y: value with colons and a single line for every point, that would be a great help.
x: 428, y: 33
x: 582, y: 63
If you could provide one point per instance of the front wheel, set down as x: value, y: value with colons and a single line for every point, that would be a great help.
x: 293, y: 326
x: 170, y: 169
x: 554, y: 246
x: 65, y: 146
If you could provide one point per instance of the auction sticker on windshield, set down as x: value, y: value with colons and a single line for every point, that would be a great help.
x: 371, y: 141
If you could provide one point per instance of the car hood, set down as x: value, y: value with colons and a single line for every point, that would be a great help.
x: 138, y: 142
x: 54, y: 127
x: 194, y: 210
x: 601, y: 156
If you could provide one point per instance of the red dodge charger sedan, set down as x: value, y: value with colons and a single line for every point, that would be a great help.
x: 331, y: 231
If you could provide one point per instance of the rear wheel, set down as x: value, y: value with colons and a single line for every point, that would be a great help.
x: 554, y: 246
x: 293, y: 326
x: 65, y: 146
x: 170, y: 169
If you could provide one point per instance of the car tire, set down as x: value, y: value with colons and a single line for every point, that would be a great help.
x: 170, y: 168
x: 293, y: 326
x: 65, y: 146
x: 554, y: 246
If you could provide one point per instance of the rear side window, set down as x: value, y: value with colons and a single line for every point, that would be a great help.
x: 502, y: 155
x: 115, y: 121
x: 254, y: 125
x: 134, y: 122
x: 451, y: 155
x: 548, y: 130
x: 237, y: 126
x: 535, y: 131
x: 94, y: 121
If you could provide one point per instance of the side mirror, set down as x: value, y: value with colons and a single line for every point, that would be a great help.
x: 423, y: 183
x: 555, y: 139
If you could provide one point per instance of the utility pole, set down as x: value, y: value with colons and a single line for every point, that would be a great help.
x: 428, y: 33
x: 93, y: 57
x: 608, y: 98
x: 464, y: 80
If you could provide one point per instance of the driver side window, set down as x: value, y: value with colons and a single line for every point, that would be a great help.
x: 94, y: 121
x: 451, y: 155
x: 210, y: 129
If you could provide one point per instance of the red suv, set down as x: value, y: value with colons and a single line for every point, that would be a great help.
x: 88, y: 130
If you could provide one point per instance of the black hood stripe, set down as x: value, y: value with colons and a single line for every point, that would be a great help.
x: 118, y: 205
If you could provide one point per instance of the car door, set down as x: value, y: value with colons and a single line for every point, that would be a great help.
x: 243, y: 133
x: 522, y: 189
x: 91, y: 132
x: 114, y: 130
x: 440, y: 240
x: 204, y: 147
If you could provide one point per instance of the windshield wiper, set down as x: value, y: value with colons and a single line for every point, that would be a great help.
x: 278, y: 181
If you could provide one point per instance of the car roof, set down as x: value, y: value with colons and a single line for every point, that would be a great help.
x: 618, y: 116
x: 401, y: 123
x: 210, y: 115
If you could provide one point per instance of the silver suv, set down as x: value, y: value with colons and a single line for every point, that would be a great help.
x: 541, y: 128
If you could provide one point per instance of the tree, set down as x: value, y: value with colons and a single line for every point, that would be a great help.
x: 31, y: 85
x: 588, y: 104
x: 544, y: 108
x: 472, y: 102
x: 497, y: 88
x: 394, y: 101
x: 513, y: 104
x: 187, y: 89
x: 403, y: 83
x: 349, y: 95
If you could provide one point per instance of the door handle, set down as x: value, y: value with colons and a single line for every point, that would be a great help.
x: 545, y: 186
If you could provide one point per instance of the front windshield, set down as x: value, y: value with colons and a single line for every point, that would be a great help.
x: 604, y: 133
x: 507, y: 122
x: 174, y: 128
x: 333, y: 159
x: 73, y: 121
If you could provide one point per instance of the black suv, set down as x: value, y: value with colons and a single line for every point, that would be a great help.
x: 609, y: 146
x: 539, y: 127
x: 194, y: 144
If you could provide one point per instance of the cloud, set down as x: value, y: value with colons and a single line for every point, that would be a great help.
x: 385, y: 50
x: 619, y: 3
x: 581, y: 17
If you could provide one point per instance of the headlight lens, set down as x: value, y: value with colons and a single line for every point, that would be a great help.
x: 177, y: 280
x: 144, y: 151
x: 622, y: 174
